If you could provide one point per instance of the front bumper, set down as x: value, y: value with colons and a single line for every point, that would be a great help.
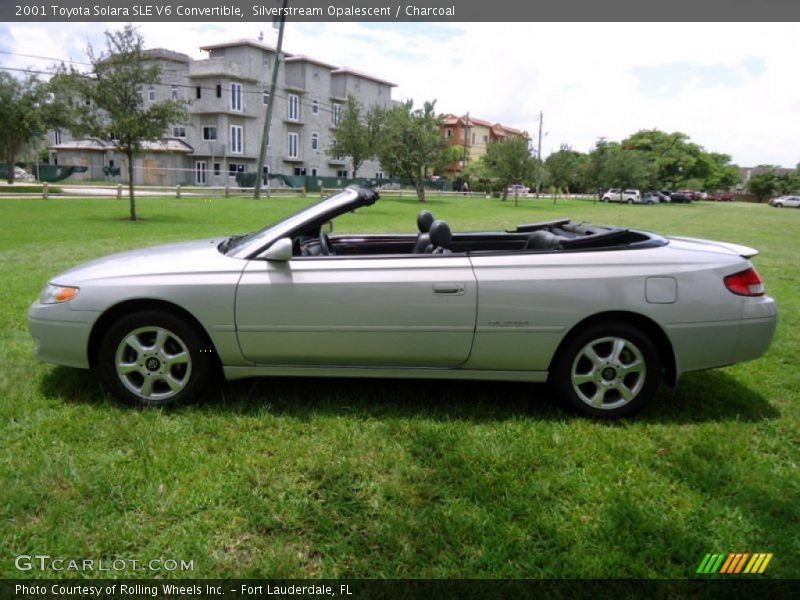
x: 61, y: 335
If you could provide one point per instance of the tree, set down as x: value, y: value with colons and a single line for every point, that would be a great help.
x: 764, y: 183
x: 480, y: 176
x: 111, y: 105
x: 356, y: 134
x: 564, y: 168
x: 23, y: 118
x: 722, y: 175
x: 410, y: 143
x: 510, y: 161
x: 675, y: 160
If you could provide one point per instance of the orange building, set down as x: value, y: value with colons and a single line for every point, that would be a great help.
x: 474, y: 136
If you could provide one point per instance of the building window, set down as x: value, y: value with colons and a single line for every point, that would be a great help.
x: 209, y: 132
x: 141, y: 96
x: 448, y: 133
x: 57, y: 136
x: 294, y: 107
x: 237, y: 142
x: 216, y: 168
x: 473, y: 138
x: 265, y: 97
x: 200, y: 172
x: 486, y: 139
x: 236, y: 97
x: 219, y: 90
x: 342, y: 173
x: 300, y: 171
x: 337, y: 114
x: 151, y: 93
x: 198, y: 92
x: 173, y: 92
x: 315, y: 141
x: 179, y: 131
x: 380, y: 175
x: 267, y: 60
x: 294, y: 145
x: 313, y: 171
x: 265, y: 175
x: 315, y: 107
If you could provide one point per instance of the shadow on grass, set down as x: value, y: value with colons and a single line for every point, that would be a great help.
x: 709, y: 396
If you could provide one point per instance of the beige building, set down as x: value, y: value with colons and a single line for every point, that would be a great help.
x: 474, y: 136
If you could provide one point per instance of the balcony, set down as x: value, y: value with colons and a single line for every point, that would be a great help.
x: 219, y: 67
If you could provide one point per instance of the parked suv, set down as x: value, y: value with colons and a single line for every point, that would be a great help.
x: 618, y: 195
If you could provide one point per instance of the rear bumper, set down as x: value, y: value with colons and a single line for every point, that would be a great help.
x: 61, y: 335
x: 719, y: 343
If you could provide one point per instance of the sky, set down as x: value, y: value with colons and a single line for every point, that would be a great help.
x: 732, y: 87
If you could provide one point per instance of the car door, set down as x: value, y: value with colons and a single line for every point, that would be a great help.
x: 404, y: 311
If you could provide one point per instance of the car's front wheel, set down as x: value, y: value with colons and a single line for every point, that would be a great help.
x: 154, y: 359
x: 607, y: 371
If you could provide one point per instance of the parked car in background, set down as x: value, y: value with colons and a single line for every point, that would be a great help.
x: 605, y: 314
x: 679, y: 197
x: 720, y: 196
x: 651, y: 198
x: 691, y: 194
x: 781, y: 201
x: 626, y: 196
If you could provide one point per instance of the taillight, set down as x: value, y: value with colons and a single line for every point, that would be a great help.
x: 745, y: 283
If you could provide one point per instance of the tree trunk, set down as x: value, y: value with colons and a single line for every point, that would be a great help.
x: 131, y: 197
x: 10, y: 166
x: 420, y: 187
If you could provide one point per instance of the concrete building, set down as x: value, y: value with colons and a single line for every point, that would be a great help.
x: 227, y: 95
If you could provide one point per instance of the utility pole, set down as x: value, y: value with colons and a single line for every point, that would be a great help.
x: 466, y: 151
x: 539, y: 157
x: 270, y: 104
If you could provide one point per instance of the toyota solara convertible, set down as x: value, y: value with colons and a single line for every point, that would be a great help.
x: 602, y: 313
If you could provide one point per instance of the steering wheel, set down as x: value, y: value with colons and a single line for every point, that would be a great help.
x: 325, y: 244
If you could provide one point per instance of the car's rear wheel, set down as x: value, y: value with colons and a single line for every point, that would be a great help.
x: 607, y: 370
x: 630, y: 200
x: 154, y: 359
x: 779, y: 205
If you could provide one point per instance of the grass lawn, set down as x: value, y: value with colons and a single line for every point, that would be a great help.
x: 369, y: 478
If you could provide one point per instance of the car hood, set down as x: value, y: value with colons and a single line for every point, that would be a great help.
x: 200, y: 256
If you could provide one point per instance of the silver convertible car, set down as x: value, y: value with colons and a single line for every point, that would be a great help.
x: 604, y: 314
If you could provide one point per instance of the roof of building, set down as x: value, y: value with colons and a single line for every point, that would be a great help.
x: 243, y: 42
x: 497, y: 129
x: 349, y: 71
x: 309, y: 59
x: 165, y: 145
x: 167, y: 55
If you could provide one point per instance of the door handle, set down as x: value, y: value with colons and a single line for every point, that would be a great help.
x: 448, y: 289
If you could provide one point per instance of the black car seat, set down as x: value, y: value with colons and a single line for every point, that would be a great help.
x: 424, y: 222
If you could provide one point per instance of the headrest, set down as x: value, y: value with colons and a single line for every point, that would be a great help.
x: 440, y: 234
x: 424, y: 221
x: 543, y: 240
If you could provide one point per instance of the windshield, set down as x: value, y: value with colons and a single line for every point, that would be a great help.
x: 318, y: 211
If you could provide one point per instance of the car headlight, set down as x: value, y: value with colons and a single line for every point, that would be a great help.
x: 55, y: 294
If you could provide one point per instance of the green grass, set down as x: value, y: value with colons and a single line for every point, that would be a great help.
x: 370, y: 478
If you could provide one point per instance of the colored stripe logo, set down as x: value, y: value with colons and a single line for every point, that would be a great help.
x: 734, y: 562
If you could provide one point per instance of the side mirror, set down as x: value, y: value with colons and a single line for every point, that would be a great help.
x: 280, y: 250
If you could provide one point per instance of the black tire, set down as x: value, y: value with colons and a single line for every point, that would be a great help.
x: 600, y: 388
x: 630, y: 200
x: 162, y: 360
x: 779, y: 205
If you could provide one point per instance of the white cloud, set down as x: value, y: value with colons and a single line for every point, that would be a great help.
x: 583, y: 76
